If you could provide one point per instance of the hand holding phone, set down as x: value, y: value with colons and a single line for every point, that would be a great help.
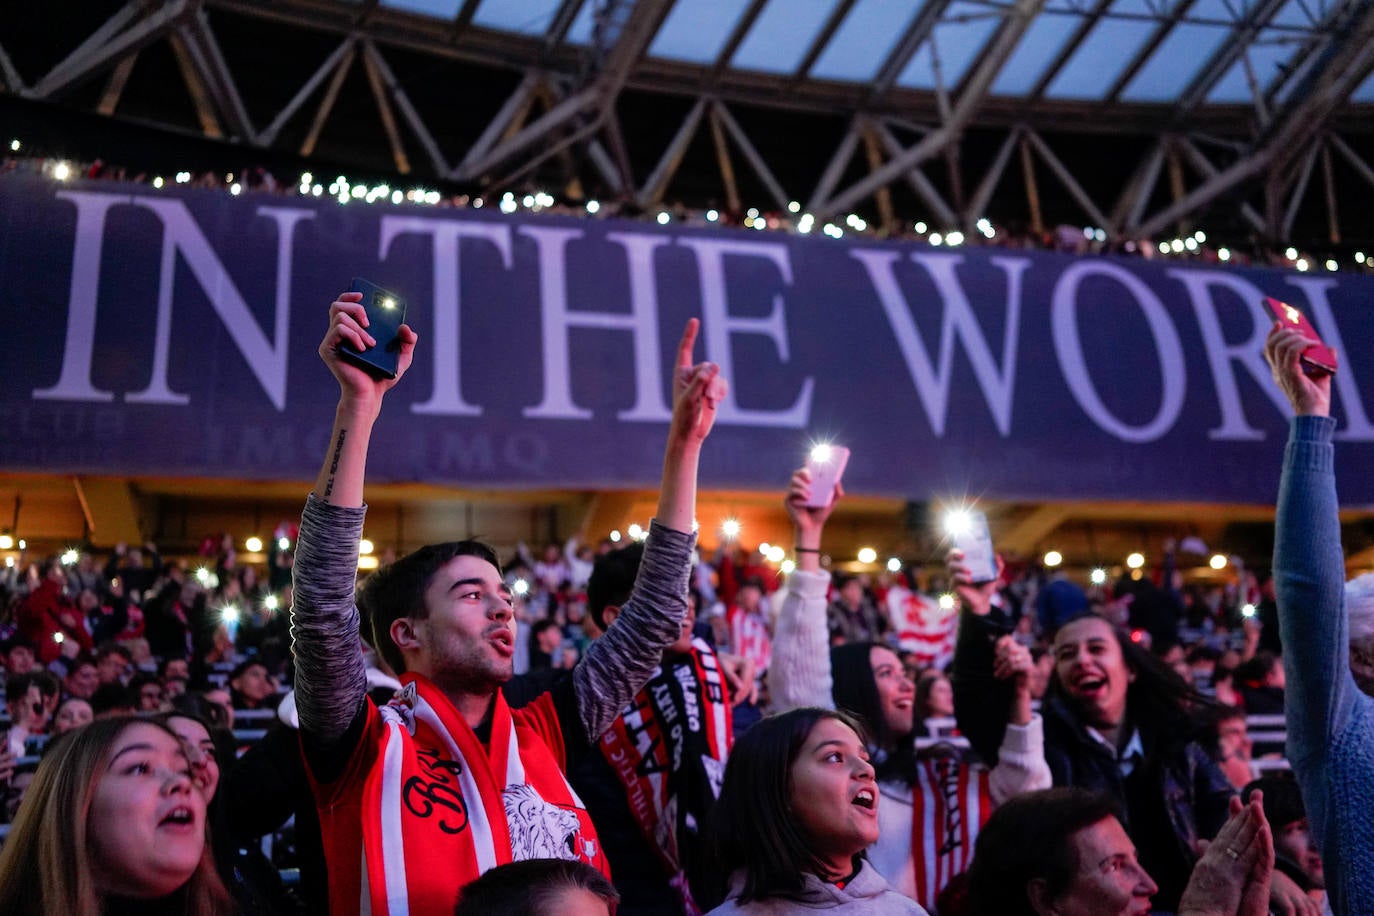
x: 1318, y: 359
x: 968, y: 529
x: 826, y: 463
x: 386, y: 312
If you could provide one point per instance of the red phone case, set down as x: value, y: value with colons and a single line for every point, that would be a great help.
x: 1318, y: 356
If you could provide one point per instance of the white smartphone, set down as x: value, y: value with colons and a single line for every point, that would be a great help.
x: 826, y: 464
x: 971, y: 535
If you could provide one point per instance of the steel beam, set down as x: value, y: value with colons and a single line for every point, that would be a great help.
x: 1299, y: 191
x: 218, y: 77
x: 136, y: 37
x: 562, y: 21
x: 922, y: 185
x: 383, y: 100
x: 1132, y: 200
x: 330, y: 65
x: 827, y: 32
x: 974, y: 91
x: 331, y: 95
x: 668, y: 163
x: 513, y: 112
x: 114, y: 87
x: 983, y: 193
x: 751, y: 155
x: 887, y: 217
x: 1231, y: 50
x: 1353, y: 159
x: 13, y: 80
x: 737, y: 34
x: 1333, y: 223
x: 1204, y: 167
x: 1037, y: 219
x: 527, y: 137
x: 1175, y: 16
x: 727, y: 168
x: 195, y: 84
x: 1070, y: 47
x: 123, y: 17
x: 397, y: 94
x: 921, y: 26
x: 834, y: 169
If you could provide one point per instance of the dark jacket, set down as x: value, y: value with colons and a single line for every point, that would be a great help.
x: 1176, y: 795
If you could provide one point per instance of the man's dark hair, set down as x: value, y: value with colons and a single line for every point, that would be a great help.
x: 16, y: 641
x: 1030, y: 837
x: 1209, y: 731
x: 17, y: 685
x: 162, y: 665
x: 612, y: 580
x: 113, y: 648
x: 531, y: 888
x: 754, y: 826
x: 1283, y: 804
x: 112, y: 697
x: 539, y: 626
x: 398, y: 590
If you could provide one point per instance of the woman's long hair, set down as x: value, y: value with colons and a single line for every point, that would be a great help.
x: 753, y: 827
x: 45, y: 867
x: 856, y: 692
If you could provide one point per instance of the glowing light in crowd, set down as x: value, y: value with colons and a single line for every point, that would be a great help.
x: 1302, y: 264
x: 69, y: 556
x: 157, y: 182
x: 1190, y: 244
x: 283, y: 543
x: 1098, y: 576
x: 366, y: 547
x: 867, y: 555
x: 236, y: 189
x: 6, y: 542
x: 593, y: 206
x: 1200, y: 236
x: 1359, y: 257
x: 1135, y: 560
x: 1291, y: 253
x: 712, y: 215
x: 1331, y: 264
x: 1224, y: 254
x: 805, y: 224
x: 947, y: 601
x: 1249, y: 610
x: 14, y: 146
x: 776, y: 554
x: 730, y: 529
x: 787, y: 567
x: 9, y: 562
x: 59, y: 638
x: 615, y: 537
x: 637, y: 532
x: 663, y: 217
x: 894, y: 564
x: 521, y: 587
x: 1053, y: 558
x: 920, y: 228
x: 1218, y: 561
x: 229, y: 614
x: 984, y: 226
x: 957, y: 522
x: 253, y: 544
x: 936, y: 239
x: 954, y: 239
x: 62, y: 171
x: 271, y: 602
x: 202, y: 575
x: 793, y: 207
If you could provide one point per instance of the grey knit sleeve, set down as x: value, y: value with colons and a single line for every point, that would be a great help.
x: 621, y: 662
x: 330, y: 679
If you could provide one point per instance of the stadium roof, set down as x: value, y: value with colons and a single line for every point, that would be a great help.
x: 1172, y: 109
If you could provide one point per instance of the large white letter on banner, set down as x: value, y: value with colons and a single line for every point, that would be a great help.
x: 718, y: 324
x: 641, y: 321
x: 932, y: 383
x: 74, y: 382
x: 1069, y: 348
x: 447, y: 399
x: 181, y: 235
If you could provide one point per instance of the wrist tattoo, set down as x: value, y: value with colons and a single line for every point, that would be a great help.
x: 334, y: 462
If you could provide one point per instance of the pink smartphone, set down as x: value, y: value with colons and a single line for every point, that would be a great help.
x: 826, y: 464
x: 974, y: 538
x: 1318, y: 359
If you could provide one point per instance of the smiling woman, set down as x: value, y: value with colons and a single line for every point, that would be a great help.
x: 111, y: 822
x: 798, y: 807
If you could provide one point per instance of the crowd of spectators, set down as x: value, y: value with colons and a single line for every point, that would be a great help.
x: 1190, y: 245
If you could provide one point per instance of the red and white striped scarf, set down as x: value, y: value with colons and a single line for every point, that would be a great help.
x: 749, y: 637
x: 426, y: 807
x: 669, y: 748
x: 951, y: 801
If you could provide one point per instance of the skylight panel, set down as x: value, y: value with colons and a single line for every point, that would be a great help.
x: 864, y: 40
x: 1366, y: 91
x: 696, y: 32
x: 782, y: 34
x: 1099, y: 60
x: 440, y: 9
x: 1038, y: 48
x: 1175, y: 63
x: 528, y: 17
x: 961, y: 34
x: 1266, y: 56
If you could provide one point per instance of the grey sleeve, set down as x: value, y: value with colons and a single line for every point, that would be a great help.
x: 620, y: 663
x: 330, y: 679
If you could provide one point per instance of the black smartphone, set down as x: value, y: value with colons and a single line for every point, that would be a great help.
x: 386, y: 312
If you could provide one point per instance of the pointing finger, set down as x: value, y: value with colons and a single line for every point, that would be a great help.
x: 684, y: 347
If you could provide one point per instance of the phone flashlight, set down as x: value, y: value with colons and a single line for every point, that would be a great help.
x: 1248, y: 611
x: 58, y: 638
x: 822, y: 453
x: 957, y: 522
x: 521, y: 587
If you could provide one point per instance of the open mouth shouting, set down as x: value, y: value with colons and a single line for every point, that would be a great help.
x: 502, y: 639
x: 866, y: 798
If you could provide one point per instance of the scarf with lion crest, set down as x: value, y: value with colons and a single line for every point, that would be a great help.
x: 427, y: 807
x: 669, y: 748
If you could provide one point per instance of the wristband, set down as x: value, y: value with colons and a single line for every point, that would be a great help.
x: 806, y: 550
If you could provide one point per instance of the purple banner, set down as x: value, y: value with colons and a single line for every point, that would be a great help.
x: 174, y: 332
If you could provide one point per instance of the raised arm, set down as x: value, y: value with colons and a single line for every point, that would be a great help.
x: 800, y: 671
x: 620, y: 663
x: 980, y: 698
x: 330, y: 680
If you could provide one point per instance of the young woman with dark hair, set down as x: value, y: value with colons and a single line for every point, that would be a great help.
x: 1117, y: 720
x: 933, y: 802
x: 798, y: 807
